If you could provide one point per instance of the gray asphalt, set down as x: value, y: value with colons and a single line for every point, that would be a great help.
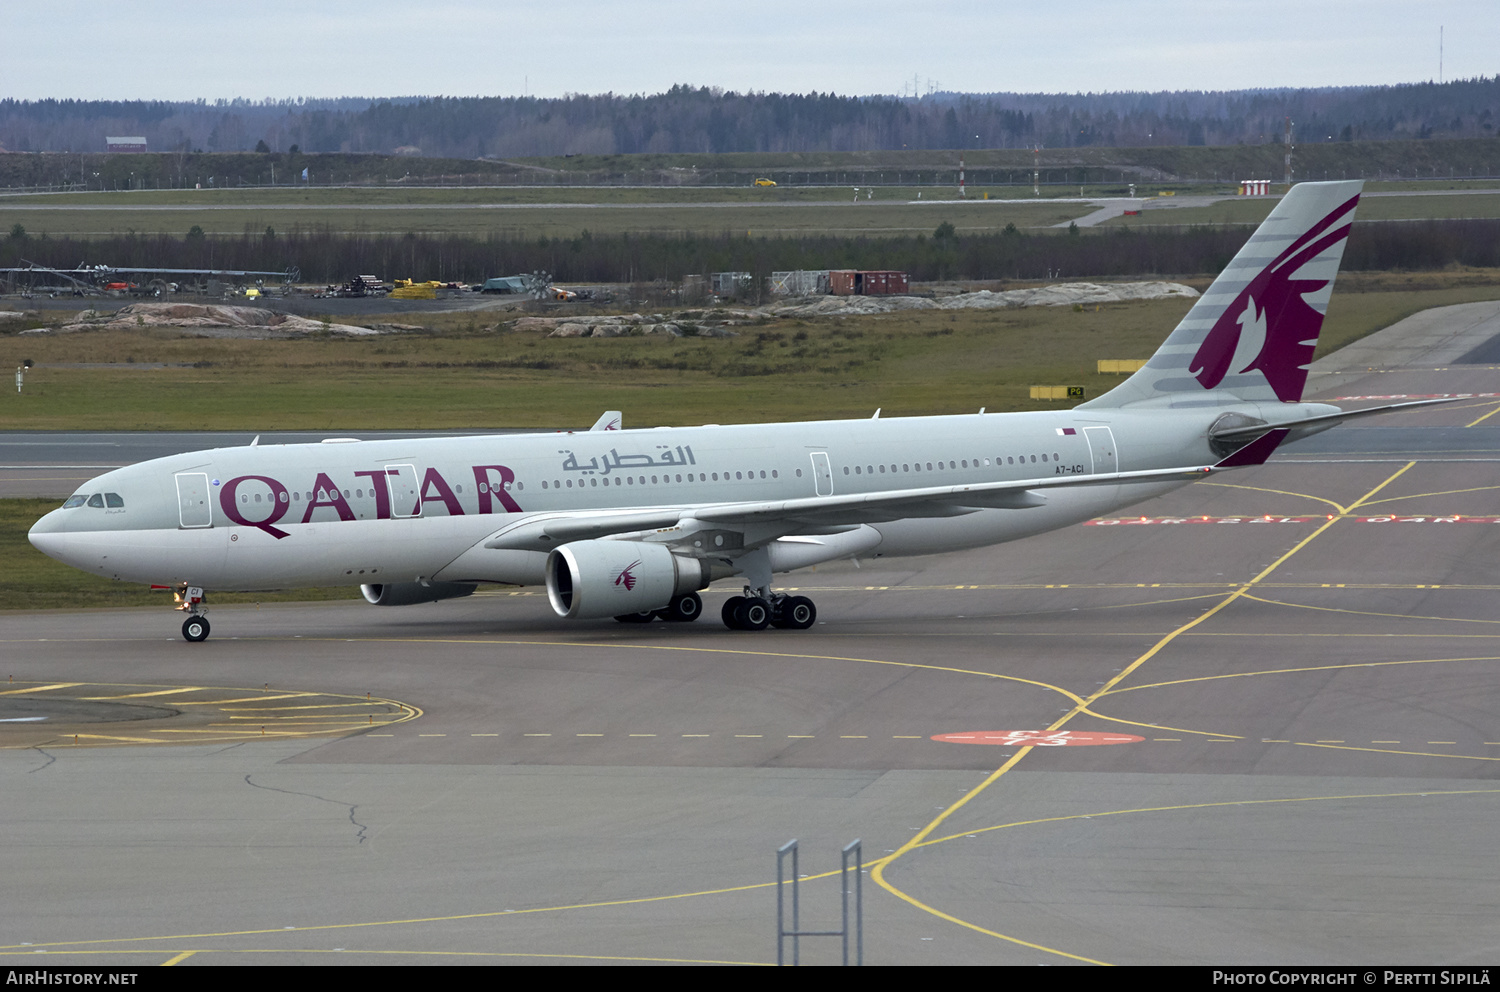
x: 1314, y: 782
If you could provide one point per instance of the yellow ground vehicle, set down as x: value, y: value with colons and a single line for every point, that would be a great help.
x: 765, y: 182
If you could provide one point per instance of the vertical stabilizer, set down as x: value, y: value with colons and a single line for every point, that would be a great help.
x: 1252, y: 335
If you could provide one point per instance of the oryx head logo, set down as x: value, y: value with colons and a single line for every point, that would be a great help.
x: 626, y: 580
x: 1270, y: 326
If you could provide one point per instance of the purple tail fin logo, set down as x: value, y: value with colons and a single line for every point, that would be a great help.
x: 1270, y: 326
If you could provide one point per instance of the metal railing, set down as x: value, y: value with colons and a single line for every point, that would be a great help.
x: 852, y: 850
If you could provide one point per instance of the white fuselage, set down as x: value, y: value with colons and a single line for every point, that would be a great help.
x: 359, y: 512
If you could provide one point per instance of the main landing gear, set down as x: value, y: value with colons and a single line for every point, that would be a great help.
x: 759, y: 607
x: 755, y: 612
x: 683, y: 609
x: 747, y: 612
x: 190, y: 600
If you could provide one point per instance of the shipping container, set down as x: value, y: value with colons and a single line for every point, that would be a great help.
x: 882, y: 283
x: 873, y: 282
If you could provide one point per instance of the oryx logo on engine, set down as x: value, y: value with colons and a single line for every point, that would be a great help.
x: 626, y: 580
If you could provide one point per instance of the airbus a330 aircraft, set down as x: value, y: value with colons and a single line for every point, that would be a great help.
x: 631, y: 524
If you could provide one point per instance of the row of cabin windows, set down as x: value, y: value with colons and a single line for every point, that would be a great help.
x: 485, y: 487
x: 632, y: 480
x: 961, y: 463
x: 98, y: 501
x: 113, y: 500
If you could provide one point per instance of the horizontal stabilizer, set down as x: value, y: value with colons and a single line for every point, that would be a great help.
x: 1249, y: 432
x: 1257, y: 451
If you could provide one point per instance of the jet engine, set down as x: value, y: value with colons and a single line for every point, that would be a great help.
x: 588, y: 580
x: 407, y: 593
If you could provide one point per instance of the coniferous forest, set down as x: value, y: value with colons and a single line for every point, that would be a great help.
x: 702, y: 120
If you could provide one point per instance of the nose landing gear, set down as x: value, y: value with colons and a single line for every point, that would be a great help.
x: 190, y: 600
x: 195, y: 629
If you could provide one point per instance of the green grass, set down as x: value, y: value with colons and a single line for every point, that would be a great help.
x: 465, y: 372
x: 1176, y: 166
x: 525, y: 213
x: 1313, y: 159
x: 464, y: 196
x: 911, y: 362
x: 889, y: 213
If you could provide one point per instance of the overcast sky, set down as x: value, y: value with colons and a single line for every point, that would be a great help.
x: 176, y: 50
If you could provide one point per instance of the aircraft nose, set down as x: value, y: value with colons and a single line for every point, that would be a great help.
x: 46, y: 534
x: 49, y: 524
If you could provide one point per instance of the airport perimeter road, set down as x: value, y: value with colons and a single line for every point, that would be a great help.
x: 1256, y: 721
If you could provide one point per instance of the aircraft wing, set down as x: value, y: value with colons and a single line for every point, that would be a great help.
x: 811, y: 514
x: 935, y: 501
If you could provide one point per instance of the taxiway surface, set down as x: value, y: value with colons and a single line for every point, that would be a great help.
x: 1304, y: 652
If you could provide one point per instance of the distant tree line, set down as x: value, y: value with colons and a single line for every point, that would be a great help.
x: 326, y: 257
x: 689, y: 119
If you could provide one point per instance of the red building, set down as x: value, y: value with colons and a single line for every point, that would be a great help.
x: 873, y: 282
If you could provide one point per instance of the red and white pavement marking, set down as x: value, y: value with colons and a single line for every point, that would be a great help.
x: 1037, y: 738
x: 1455, y: 519
x: 1419, y: 396
x: 1128, y: 521
x: 1415, y: 519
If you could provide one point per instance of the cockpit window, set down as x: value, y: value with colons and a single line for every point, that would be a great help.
x: 113, y: 499
x: 96, y: 501
x: 74, y: 501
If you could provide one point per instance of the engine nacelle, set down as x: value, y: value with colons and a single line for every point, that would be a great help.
x: 589, y: 580
x: 407, y: 593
